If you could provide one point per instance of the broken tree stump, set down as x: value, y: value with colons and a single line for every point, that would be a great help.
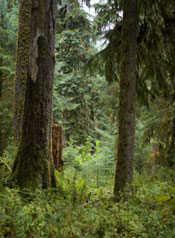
x: 57, y: 146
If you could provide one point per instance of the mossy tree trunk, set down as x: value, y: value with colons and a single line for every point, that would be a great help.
x: 33, y: 165
x: 124, y: 169
x: 22, y: 64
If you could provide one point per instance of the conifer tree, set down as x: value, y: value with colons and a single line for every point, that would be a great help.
x: 72, y: 100
x: 124, y: 170
x: 8, y: 28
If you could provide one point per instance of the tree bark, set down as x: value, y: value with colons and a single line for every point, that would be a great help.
x: 126, y: 128
x: 22, y: 64
x: 170, y: 160
x: 33, y: 165
x: 57, y: 146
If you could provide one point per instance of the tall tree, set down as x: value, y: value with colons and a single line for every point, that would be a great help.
x: 33, y: 165
x: 72, y: 105
x: 124, y: 170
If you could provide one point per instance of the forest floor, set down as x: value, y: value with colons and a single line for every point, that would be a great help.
x: 74, y: 210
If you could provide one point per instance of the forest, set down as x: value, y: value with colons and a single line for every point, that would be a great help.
x: 87, y: 119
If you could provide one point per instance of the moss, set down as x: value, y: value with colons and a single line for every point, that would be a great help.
x: 33, y: 164
x: 5, y: 170
x: 30, y: 166
x: 24, y: 34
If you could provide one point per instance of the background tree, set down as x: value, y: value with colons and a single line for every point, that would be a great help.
x: 75, y: 96
x: 8, y: 30
x: 155, y: 80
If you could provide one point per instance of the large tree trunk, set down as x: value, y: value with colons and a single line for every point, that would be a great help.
x: 33, y: 166
x: 124, y: 169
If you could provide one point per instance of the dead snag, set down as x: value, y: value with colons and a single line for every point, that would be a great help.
x: 57, y: 146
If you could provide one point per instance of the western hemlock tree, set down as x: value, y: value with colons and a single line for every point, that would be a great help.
x: 124, y: 170
x: 72, y: 97
x: 33, y: 165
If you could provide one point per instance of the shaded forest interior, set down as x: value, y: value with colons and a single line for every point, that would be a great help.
x: 87, y: 119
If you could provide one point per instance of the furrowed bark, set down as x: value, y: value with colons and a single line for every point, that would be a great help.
x: 33, y: 165
x: 124, y: 169
x: 57, y: 146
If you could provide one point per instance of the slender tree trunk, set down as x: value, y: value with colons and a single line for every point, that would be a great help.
x: 1, y: 137
x: 33, y: 165
x: 170, y: 160
x: 124, y: 169
x: 1, y: 79
x: 1, y: 94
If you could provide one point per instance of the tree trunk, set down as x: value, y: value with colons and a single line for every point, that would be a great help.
x: 126, y: 140
x: 57, y: 146
x: 1, y: 137
x: 170, y: 160
x: 33, y: 165
x: 22, y: 64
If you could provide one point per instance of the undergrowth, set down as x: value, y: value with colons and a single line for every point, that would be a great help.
x: 74, y: 210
